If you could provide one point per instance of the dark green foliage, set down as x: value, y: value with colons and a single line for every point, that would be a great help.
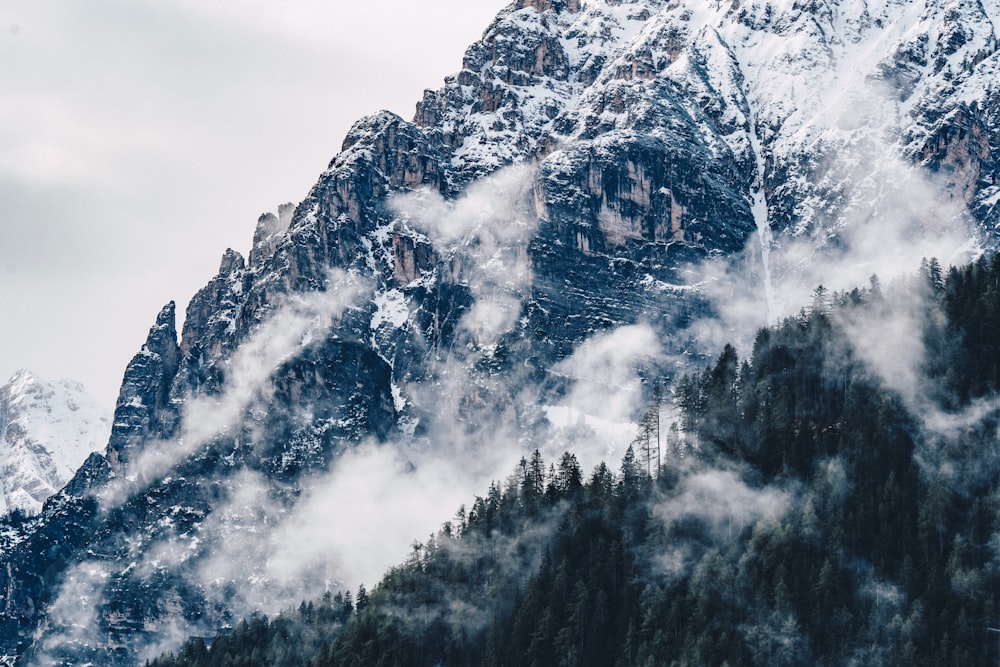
x: 874, y: 550
x: 969, y: 346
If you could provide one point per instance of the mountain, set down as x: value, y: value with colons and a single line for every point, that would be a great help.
x: 46, y: 431
x: 602, y: 194
x: 801, y: 511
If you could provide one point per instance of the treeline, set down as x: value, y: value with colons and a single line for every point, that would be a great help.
x: 545, y: 541
x: 800, y: 512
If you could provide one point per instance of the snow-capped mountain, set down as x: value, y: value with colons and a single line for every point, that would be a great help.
x: 601, y: 186
x: 47, y: 430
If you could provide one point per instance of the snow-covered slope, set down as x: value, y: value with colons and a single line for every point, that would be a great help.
x: 47, y: 430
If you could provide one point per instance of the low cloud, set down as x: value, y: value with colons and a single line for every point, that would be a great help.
x: 604, y: 392
x: 889, y: 338
x: 490, y: 210
x: 604, y: 371
x: 485, y: 234
x: 297, y: 322
x: 723, y: 502
x: 710, y: 508
x: 359, y: 519
x: 71, y: 621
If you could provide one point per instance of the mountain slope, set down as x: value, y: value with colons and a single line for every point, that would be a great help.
x: 803, y: 513
x: 600, y: 191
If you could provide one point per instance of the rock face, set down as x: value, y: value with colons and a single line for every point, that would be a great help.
x: 144, y: 411
x: 46, y: 431
x: 561, y: 185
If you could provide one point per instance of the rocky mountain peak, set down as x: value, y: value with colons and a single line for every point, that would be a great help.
x: 46, y: 431
x: 144, y: 410
x: 231, y: 262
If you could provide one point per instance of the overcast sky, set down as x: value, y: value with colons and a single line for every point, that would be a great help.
x: 139, y: 139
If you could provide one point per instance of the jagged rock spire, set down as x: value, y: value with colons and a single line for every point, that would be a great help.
x: 143, y: 411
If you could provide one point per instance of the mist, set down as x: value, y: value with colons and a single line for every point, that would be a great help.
x: 485, y: 232
x: 361, y: 517
x: 294, y: 324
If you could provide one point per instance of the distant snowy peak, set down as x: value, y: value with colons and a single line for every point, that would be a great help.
x: 47, y: 430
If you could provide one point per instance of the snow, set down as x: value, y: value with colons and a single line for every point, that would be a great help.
x: 47, y: 430
x: 760, y: 215
x: 806, y: 87
x: 390, y: 308
x: 398, y: 400
x: 493, y: 139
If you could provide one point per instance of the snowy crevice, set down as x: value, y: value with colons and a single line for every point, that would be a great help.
x: 762, y: 220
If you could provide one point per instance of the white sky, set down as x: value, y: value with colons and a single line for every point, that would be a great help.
x: 141, y: 138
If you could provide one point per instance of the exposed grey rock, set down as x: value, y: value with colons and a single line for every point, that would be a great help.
x: 144, y: 410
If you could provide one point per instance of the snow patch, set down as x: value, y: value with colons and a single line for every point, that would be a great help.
x: 390, y: 308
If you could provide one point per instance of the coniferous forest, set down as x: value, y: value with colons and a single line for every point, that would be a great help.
x: 831, y: 499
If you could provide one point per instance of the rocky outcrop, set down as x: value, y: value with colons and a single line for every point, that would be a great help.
x: 628, y: 188
x: 211, y: 324
x: 491, y: 114
x: 144, y: 410
x: 333, y: 393
x: 270, y: 230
